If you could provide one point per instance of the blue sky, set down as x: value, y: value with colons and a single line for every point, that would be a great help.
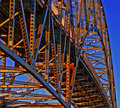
x: 112, y: 12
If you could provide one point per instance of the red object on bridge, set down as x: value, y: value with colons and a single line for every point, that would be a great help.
x: 72, y: 66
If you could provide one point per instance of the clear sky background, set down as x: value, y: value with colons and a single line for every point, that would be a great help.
x: 112, y: 12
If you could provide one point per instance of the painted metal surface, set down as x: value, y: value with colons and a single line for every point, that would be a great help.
x: 55, y: 51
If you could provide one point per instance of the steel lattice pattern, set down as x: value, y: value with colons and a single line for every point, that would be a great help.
x: 55, y: 53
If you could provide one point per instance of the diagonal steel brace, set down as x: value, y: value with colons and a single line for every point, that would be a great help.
x: 19, y: 60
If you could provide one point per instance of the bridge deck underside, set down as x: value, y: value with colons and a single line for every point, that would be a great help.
x: 86, y: 93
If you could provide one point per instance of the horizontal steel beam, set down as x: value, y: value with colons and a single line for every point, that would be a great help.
x: 11, y: 70
x: 14, y: 98
x: 29, y: 68
x: 20, y: 86
x: 37, y: 105
x: 93, y: 74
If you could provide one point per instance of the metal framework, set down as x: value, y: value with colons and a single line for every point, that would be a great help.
x: 55, y: 54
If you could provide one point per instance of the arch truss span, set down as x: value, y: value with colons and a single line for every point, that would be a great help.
x: 55, y: 53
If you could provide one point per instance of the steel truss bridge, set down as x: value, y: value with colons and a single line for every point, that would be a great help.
x: 55, y: 54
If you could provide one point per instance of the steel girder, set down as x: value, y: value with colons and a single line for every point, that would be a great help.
x: 12, y: 55
x: 60, y: 51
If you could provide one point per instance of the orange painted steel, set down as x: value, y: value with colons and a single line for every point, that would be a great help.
x: 55, y: 54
